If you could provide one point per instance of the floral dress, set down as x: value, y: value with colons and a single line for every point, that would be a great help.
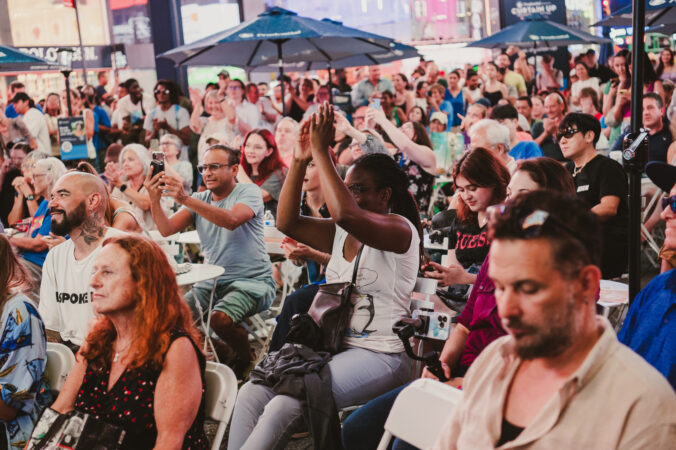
x: 23, y: 357
x: 129, y: 403
x: 420, y: 183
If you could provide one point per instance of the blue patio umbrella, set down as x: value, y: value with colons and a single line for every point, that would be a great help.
x: 397, y: 51
x: 278, y: 35
x: 658, y: 12
x: 13, y: 60
x: 537, y: 32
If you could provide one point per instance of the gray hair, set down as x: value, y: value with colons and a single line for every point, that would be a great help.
x: 495, y: 132
x: 31, y: 158
x: 142, y: 154
x: 296, y: 125
x: 174, y: 140
x: 53, y: 167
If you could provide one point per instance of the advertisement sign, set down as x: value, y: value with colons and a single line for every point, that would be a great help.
x: 96, y: 56
x: 514, y: 11
x: 73, y: 138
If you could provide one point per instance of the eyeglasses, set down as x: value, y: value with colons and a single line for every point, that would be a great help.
x: 567, y: 133
x: 162, y: 91
x: 357, y: 189
x: 211, y: 167
x: 669, y: 201
x: 234, y: 87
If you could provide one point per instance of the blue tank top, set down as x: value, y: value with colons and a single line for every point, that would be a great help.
x: 458, y: 103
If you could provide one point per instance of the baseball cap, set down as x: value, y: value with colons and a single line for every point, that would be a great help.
x: 662, y: 174
x: 484, y: 101
x: 441, y: 117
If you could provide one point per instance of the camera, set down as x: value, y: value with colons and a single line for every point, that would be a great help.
x: 430, y: 324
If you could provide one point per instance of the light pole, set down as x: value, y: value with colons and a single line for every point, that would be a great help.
x: 66, y: 61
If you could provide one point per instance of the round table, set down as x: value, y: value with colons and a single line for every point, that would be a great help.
x: 189, y: 237
x: 613, y: 295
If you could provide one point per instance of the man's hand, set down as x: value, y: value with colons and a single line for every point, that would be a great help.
x: 302, y: 149
x: 427, y: 374
x: 52, y: 240
x: 447, y: 276
x: 550, y: 126
x: 153, y: 185
x: 156, y: 125
x: 173, y: 187
x: 321, y: 128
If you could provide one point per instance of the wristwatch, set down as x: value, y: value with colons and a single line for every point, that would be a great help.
x: 30, y: 198
x: 123, y: 188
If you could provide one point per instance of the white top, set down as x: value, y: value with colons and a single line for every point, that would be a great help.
x: 126, y: 108
x: 176, y: 116
x: 65, y: 294
x: 385, y: 281
x: 37, y: 125
x: 246, y: 112
x: 145, y: 216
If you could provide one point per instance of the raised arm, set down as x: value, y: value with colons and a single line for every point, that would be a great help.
x: 316, y: 232
x: 387, y: 232
x: 420, y: 154
x: 165, y: 225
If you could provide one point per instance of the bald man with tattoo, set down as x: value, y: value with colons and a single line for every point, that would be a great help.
x: 77, y: 204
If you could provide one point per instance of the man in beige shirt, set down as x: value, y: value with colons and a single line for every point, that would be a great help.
x: 559, y: 379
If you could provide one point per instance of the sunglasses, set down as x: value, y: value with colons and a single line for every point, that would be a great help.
x: 212, y: 167
x: 566, y: 133
x: 669, y: 201
x: 357, y: 188
x: 162, y: 91
x: 532, y: 223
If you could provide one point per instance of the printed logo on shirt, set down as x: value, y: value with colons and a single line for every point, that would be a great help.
x: 73, y: 298
x: 363, y: 312
x: 465, y: 241
x: 584, y: 188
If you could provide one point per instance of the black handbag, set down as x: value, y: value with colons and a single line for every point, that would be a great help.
x: 331, y: 310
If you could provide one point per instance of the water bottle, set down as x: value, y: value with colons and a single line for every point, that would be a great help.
x: 269, y: 219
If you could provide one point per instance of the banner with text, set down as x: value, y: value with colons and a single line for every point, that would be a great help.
x: 72, y: 138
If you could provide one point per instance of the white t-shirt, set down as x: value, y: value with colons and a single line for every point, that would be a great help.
x: 145, y: 216
x: 246, y: 112
x: 385, y: 281
x: 65, y: 294
x: 125, y: 108
x: 177, y: 117
x: 37, y: 125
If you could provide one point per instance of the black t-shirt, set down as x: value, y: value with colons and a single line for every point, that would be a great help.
x: 599, y: 178
x: 549, y: 146
x: 658, y: 144
x: 296, y: 112
x: 602, y: 72
x: 7, y: 194
x: 470, y: 242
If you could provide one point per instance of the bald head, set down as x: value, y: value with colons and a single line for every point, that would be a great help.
x: 85, y: 186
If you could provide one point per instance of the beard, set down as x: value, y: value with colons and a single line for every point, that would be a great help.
x: 69, y: 221
x: 548, y: 339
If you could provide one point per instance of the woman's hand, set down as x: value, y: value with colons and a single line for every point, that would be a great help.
x: 52, y: 240
x: 195, y: 96
x: 375, y: 115
x: 302, y: 150
x: 153, y: 185
x: 22, y: 186
x: 112, y: 173
x: 342, y: 124
x: 447, y: 276
x: 321, y: 128
x: 173, y: 187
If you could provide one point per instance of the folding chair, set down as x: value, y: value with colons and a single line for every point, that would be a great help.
x: 221, y: 394
x: 420, y: 412
x: 60, y: 361
x: 426, y: 287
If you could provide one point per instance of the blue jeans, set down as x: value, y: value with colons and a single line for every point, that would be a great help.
x: 365, y: 427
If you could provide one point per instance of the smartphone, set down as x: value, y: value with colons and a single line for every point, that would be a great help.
x: 375, y: 103
x: 622, y: 91
x: 157, y: 163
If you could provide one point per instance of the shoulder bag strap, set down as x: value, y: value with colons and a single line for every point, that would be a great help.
x: 356, y: 265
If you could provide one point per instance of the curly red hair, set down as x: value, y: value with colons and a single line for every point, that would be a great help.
x: 159, y: 309
x: 271, y: 162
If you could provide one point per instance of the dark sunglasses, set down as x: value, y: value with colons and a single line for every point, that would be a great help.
x: 162, y: 91
x: 669, y: 201
x: 567, y: 133
x: 212, y: 167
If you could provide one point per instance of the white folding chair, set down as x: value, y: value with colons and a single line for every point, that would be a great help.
x: 60, y: 360
x: 428, y: 288
x: 221, y: 394
x: 420, y: 412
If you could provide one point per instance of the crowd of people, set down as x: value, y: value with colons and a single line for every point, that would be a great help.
x: 511, y: 169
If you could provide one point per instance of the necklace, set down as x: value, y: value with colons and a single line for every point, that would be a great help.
x: 577, y: 170
x: 117, y: 353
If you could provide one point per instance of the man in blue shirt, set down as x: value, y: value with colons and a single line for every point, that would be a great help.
x: 508, y: 116
x: 650, y: 326
x: 14, y: 88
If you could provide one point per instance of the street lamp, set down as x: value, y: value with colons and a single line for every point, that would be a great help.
x: 66, y: 61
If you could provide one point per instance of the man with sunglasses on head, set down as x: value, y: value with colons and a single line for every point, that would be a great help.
x: 601, y: 183
x: 229, y: 220
x: 168, y: 117
x: 560, y: 378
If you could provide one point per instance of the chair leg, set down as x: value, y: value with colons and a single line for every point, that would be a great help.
x: 385, y: 441
x: 218, y: 437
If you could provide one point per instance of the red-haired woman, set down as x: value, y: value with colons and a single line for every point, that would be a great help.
x: 140, y: 367
x: 262, y: 165
x: 480, y: 181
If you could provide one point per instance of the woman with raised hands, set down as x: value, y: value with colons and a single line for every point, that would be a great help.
x: 373, y: 209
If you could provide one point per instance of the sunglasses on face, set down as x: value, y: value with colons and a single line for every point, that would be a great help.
x: 567, y: 133
x: 671, y: 202
x: 212, y: 167
x: 162, y: 91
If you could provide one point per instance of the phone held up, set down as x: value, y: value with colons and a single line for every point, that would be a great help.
x: 375, y: 103
x: 157, y: 163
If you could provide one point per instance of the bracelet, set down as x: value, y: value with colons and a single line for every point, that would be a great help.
x: 123, y: 188
x: 30, y: 198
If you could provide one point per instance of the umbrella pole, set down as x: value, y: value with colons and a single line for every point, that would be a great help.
x: 280, y: 64
x: 330, y: 86
x: 634, y: 162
